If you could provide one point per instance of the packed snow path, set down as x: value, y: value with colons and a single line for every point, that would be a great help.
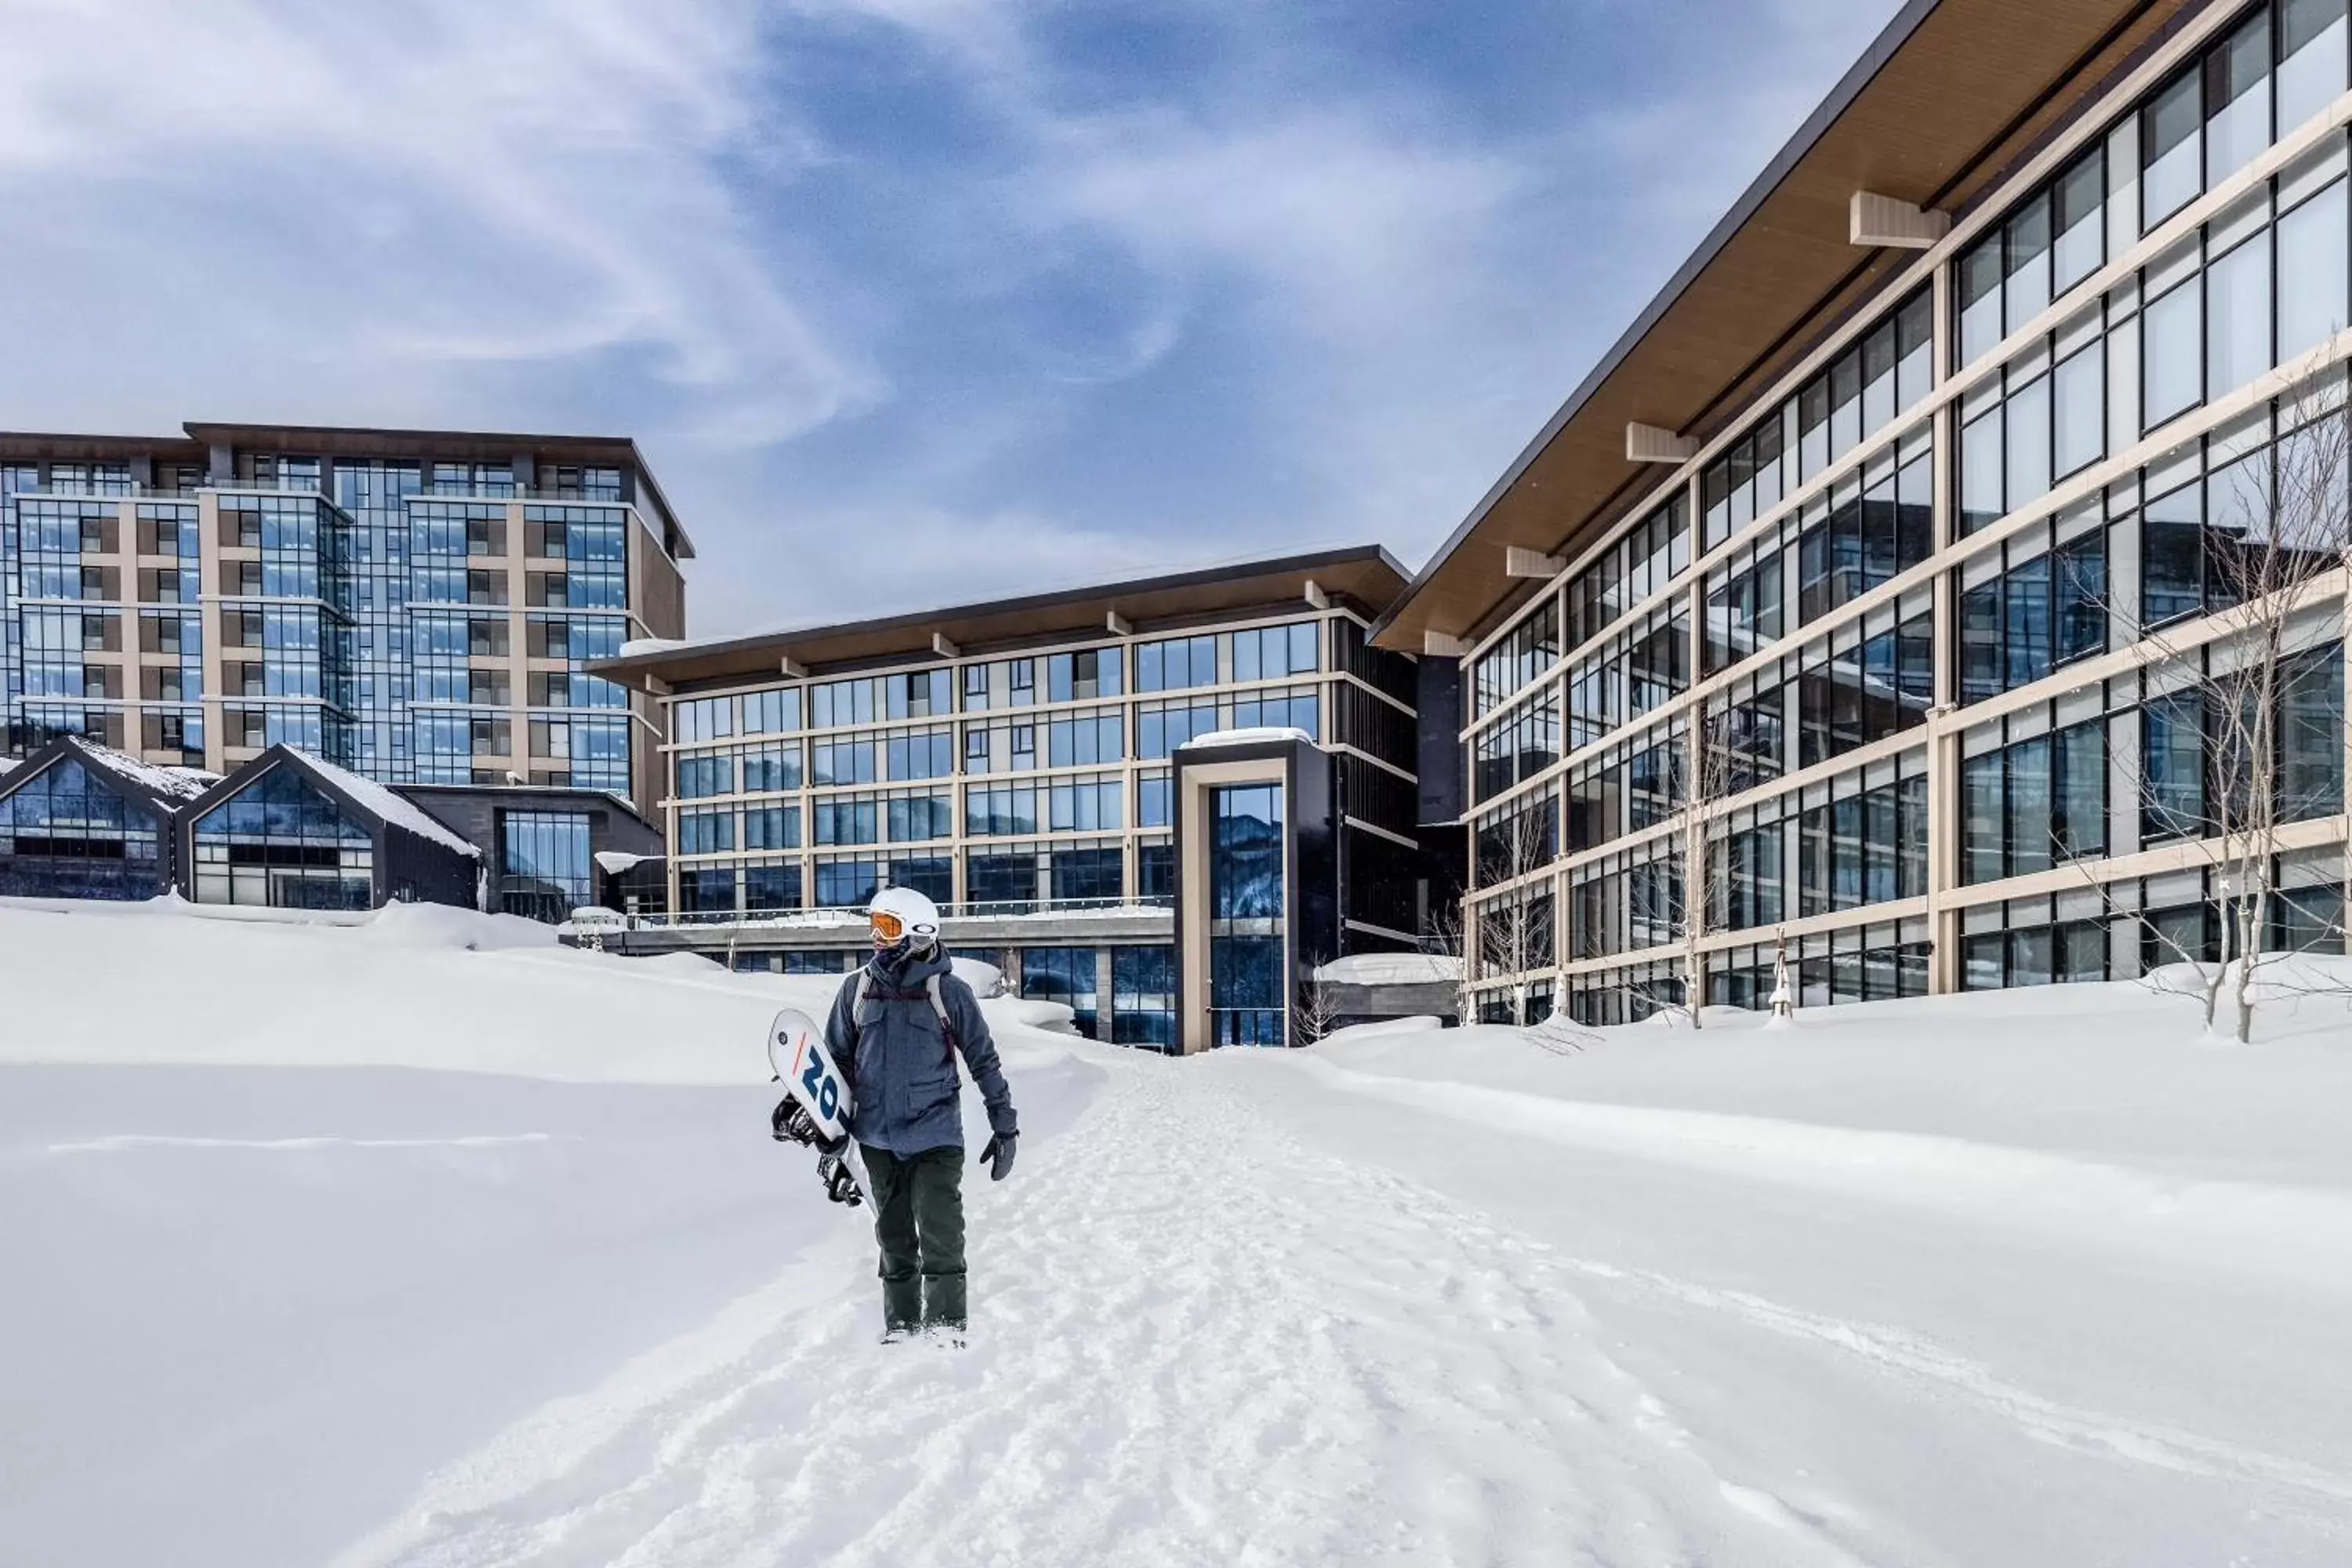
x: 1181, y: 1358
x: 1203, y: 1340
x: 467, y: 1251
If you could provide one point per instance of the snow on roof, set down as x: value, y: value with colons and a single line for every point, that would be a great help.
x: 387, y: 805
x: 615, y: 862
x: 1258, y: 735
x: 636, y: 647
x: 6, y: 767
x: 175, y: 784
x: 1390, y: 969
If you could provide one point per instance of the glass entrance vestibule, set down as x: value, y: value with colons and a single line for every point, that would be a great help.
x: 1248, y: 1000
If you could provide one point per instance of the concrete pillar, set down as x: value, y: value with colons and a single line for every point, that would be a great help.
x: 208, y: 571
x: 1944, y: 804
x: 1103, y: 993
x: 517, y: 643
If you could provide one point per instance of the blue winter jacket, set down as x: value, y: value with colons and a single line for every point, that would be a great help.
x: 902, y: 1069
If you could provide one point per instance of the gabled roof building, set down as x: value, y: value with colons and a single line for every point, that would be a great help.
x: 81, y: 821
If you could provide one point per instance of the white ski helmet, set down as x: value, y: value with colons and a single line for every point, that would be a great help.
x: 902, y: 913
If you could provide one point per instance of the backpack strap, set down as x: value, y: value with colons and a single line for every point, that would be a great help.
x: 939, y: 1006
x: 864, y: 985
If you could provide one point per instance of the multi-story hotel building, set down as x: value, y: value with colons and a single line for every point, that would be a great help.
x: 418, y: 606
x: 1197, y: 785
x: 1874, y: 591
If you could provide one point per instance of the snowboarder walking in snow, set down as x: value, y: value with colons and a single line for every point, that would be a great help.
x: 896, y: 1027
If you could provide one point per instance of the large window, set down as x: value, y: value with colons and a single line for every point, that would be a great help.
x: 2253, y: 523
x: 919, y: 694
x: 1064, y: 974
x: 705, y: 719
x: 2052, y: 240
x: 1161, y: 727
x: 845, y: 881
x: 544, y: 871
x: 698, y: 776
x: 1860, y: 684
x: 1300, y: 708
x: 1078, y: 739
x: 1860, y: 391
x: 1249, y: 998
x: 707, y: 889
x: 1143, y: 996
x: 67, y: 834
x: 2046, y: 607
x: 1084, y: 874
x: 2038, y: 422
x: 1531, y: 647
x: 1854, y: 963
x: 1002, y: 880
x: 282, y: 843
x: 1082, y: 805
x: 1860, y: 839
x: 1519, y: 746
x: 2217, y: 114
x: 846, y: 819
x: 2034, y: 804
x: 934, y: 875
x: 706, y: 832
x: 1082, y: 675
x: 1176, y: 663
x: 2195, y: 770
x: 1271, y: 653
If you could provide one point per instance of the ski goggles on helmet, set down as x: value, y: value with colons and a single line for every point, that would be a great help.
x: 888, y: 927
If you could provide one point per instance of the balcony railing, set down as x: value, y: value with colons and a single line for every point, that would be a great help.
x: 853, y: 917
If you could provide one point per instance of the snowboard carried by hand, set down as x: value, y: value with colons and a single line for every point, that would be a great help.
x: 817, y: 1104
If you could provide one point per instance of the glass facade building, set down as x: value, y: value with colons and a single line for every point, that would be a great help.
x: 281, y: 843
x: 1945, y: 654
x: 74, y: 830
x: 419, y: 606
x: 544, y: 870
x: 1018, y: 763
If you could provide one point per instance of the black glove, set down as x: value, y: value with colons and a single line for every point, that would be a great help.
x: 1000, y: 1150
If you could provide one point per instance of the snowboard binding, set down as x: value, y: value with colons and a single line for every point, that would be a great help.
x: 792, y: 1124
x: 840, y: 1184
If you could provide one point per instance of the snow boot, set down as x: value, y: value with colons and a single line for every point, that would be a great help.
x: 902, y: 1307
x: 943, y: 1302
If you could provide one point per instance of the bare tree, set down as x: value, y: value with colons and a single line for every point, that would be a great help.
x: 1699, y: 892
x: 1446, y: 939
x: 2274, y: 526
x: 1317, y: 1010
x: 1511, y: 934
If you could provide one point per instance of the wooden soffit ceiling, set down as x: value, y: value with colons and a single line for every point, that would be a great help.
x: 1951, y: 94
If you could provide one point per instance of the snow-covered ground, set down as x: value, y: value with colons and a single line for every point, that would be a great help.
x: 421, y: 1242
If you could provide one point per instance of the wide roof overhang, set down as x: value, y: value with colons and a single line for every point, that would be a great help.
x: 1365, y: 577
x: 1949, y: 96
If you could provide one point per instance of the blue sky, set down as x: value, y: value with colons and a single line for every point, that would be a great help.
x: 908, y: 300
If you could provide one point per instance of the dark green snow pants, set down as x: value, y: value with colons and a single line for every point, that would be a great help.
x: 919, y: 1221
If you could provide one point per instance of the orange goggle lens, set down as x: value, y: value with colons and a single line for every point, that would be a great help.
x: 887, y: 926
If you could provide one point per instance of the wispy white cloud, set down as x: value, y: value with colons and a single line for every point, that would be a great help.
x: 1118, y: 322
x: 410, y: 195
